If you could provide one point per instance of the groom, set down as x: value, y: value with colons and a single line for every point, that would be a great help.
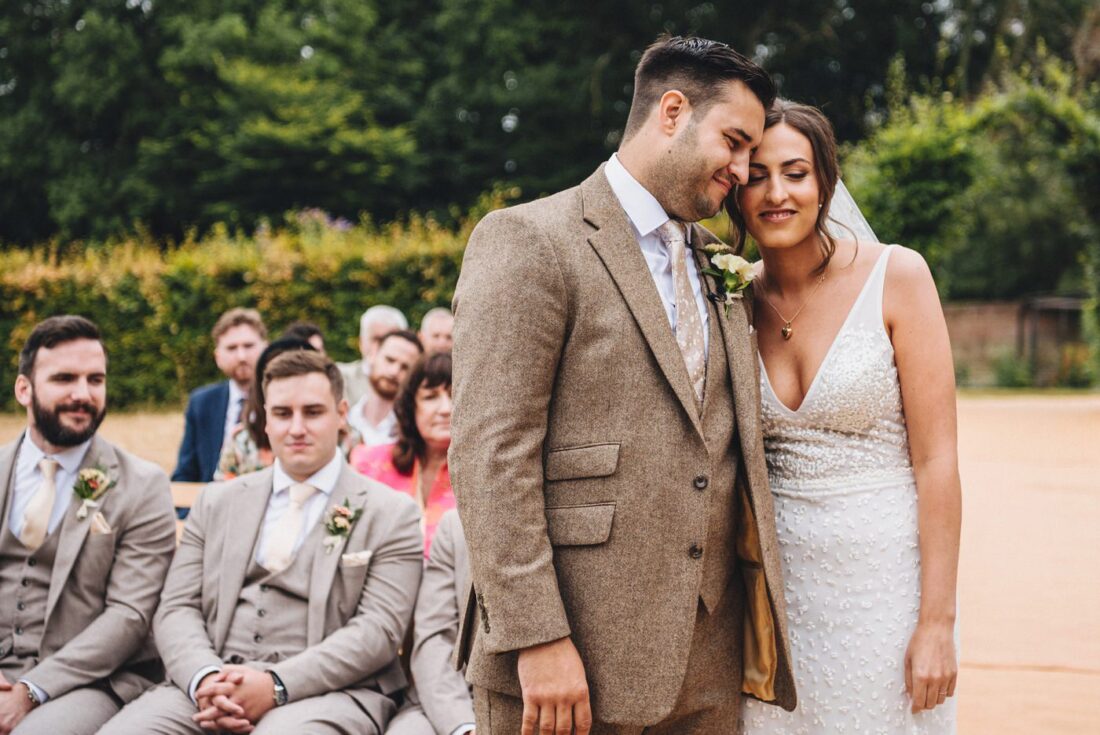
x: 606, y: 450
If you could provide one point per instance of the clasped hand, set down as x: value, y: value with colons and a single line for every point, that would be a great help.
x: 233, y: 699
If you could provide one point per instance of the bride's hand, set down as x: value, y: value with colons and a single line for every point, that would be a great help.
x: 931, y: 668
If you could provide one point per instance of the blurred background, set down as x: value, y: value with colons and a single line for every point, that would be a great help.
x: 214, y: 137
x: 162, y: 162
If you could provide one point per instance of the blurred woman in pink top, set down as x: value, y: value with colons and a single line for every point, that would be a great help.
x: 417, y: 462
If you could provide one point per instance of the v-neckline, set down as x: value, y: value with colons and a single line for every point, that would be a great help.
x: 832, y: 345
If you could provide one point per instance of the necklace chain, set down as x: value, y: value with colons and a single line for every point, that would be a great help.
x: 787, y: 331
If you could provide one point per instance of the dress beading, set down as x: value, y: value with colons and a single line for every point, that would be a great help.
x: 846, y: 518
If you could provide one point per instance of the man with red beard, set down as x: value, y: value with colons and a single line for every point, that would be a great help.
x: 86, y: 535
x: 372, y: 415
x: 214, y: 411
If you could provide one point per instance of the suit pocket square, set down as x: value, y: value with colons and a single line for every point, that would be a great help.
x: 356, y: 558
x: 99, y: 525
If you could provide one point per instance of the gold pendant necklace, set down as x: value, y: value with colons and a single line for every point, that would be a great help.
x: 787, y: 331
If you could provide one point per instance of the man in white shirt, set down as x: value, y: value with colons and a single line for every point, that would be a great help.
x: 292, y: 587
x: 214, y: 411
x: 606, y: 430
x: 372, y: 416
x: 376, y: 323
x: 86, y: 536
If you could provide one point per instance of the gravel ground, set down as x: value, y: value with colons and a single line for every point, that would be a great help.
x: 1029, y: 586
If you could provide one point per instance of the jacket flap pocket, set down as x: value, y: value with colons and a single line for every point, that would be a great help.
x: 572, y: 463
x: 579, y: 525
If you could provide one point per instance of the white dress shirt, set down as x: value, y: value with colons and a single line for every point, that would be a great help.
x: 28, y: 477
x: 646, y: 215
x: 233, y: 410
x: 324, y: 480
x: 384, y: 433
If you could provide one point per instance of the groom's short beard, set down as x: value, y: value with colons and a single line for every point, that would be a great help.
x: 680, y: 180
x: 53, y: 431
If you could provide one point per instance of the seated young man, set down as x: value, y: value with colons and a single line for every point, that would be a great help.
x: 292, y: 587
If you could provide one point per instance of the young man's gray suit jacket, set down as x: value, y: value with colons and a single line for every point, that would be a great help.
x: 357, y: 613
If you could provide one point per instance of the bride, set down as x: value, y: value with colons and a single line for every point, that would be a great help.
x: 858, y: 402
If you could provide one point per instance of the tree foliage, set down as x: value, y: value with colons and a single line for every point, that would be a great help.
x: 164, y: 117
x: 999, y: 195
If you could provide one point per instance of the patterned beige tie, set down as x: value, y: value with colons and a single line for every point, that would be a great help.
x: 36, y: 518
x: 284, y: 534
x: 689, y: 325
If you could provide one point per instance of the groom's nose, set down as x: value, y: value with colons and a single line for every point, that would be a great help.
x: 739, y: 168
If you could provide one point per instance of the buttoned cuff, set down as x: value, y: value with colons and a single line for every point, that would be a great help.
x: 194, y: 685
x: 42, y: 696
x: 463, y: 729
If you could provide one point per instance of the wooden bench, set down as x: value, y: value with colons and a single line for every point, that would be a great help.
x: 184, y: 495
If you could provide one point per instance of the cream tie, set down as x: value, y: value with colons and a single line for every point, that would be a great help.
x: 284, y: 534
x: 36, y: 517
x: 689, y: 325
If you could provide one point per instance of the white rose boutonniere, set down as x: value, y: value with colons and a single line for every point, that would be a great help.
x: 91, y: 484
x: 734, y: 273
x: 338, y: 524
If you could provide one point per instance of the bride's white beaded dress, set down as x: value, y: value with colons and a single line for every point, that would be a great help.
x: 846, y: 515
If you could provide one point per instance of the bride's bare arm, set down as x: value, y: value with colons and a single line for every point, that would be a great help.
x: 926, y: 373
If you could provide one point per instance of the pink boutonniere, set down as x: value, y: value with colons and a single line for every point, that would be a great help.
x: 91, y: 484
x: 338, y: 524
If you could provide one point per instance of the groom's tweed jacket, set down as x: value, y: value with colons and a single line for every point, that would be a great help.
x: 597, y: 502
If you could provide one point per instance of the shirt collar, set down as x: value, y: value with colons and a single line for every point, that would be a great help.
x: 324, y: 479
x: 236, y: 393
x: 70, y: 459
x: 642, y: 208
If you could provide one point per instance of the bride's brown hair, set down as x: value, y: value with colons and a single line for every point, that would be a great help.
x: 809, y: 121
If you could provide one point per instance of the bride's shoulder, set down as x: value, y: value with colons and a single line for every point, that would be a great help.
x: 906, y: 268
x: 909, y: 289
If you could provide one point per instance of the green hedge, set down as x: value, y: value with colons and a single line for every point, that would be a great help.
x: 156, y: 307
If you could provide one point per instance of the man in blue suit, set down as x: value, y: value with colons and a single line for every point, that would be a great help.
x: 214, y: 410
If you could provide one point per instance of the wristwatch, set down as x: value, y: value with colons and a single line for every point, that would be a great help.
x: 35, y: 701
x: 280, y: 690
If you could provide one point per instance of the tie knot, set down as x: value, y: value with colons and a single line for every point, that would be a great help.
x: 300, y: 492
x: 672, y: 232
x: 48, y: 467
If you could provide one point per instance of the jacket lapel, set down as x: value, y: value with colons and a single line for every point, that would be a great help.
x: 742, y: 365
x: 240, y: 529
x: 616, y: 245
x: 74, y: 530
x: 8, y: 453
x: 326, y: 561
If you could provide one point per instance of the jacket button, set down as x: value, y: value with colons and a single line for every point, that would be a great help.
x: 236, y: 659
x: 263, y: 588
x: 32, y: 562
x: 261, y: 612
x: 24, y: 582
x: 18, y: 630
x: 258, y: 638
x: 700, y: 482
x: 696, y: 551
x: 20, y: 605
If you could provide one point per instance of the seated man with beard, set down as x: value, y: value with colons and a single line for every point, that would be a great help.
x: 372, y: 415
x: 87, y: 536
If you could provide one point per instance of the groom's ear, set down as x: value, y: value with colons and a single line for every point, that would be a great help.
x: 673, y: 111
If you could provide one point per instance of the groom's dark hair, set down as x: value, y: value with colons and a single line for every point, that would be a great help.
x: 696, y: 67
